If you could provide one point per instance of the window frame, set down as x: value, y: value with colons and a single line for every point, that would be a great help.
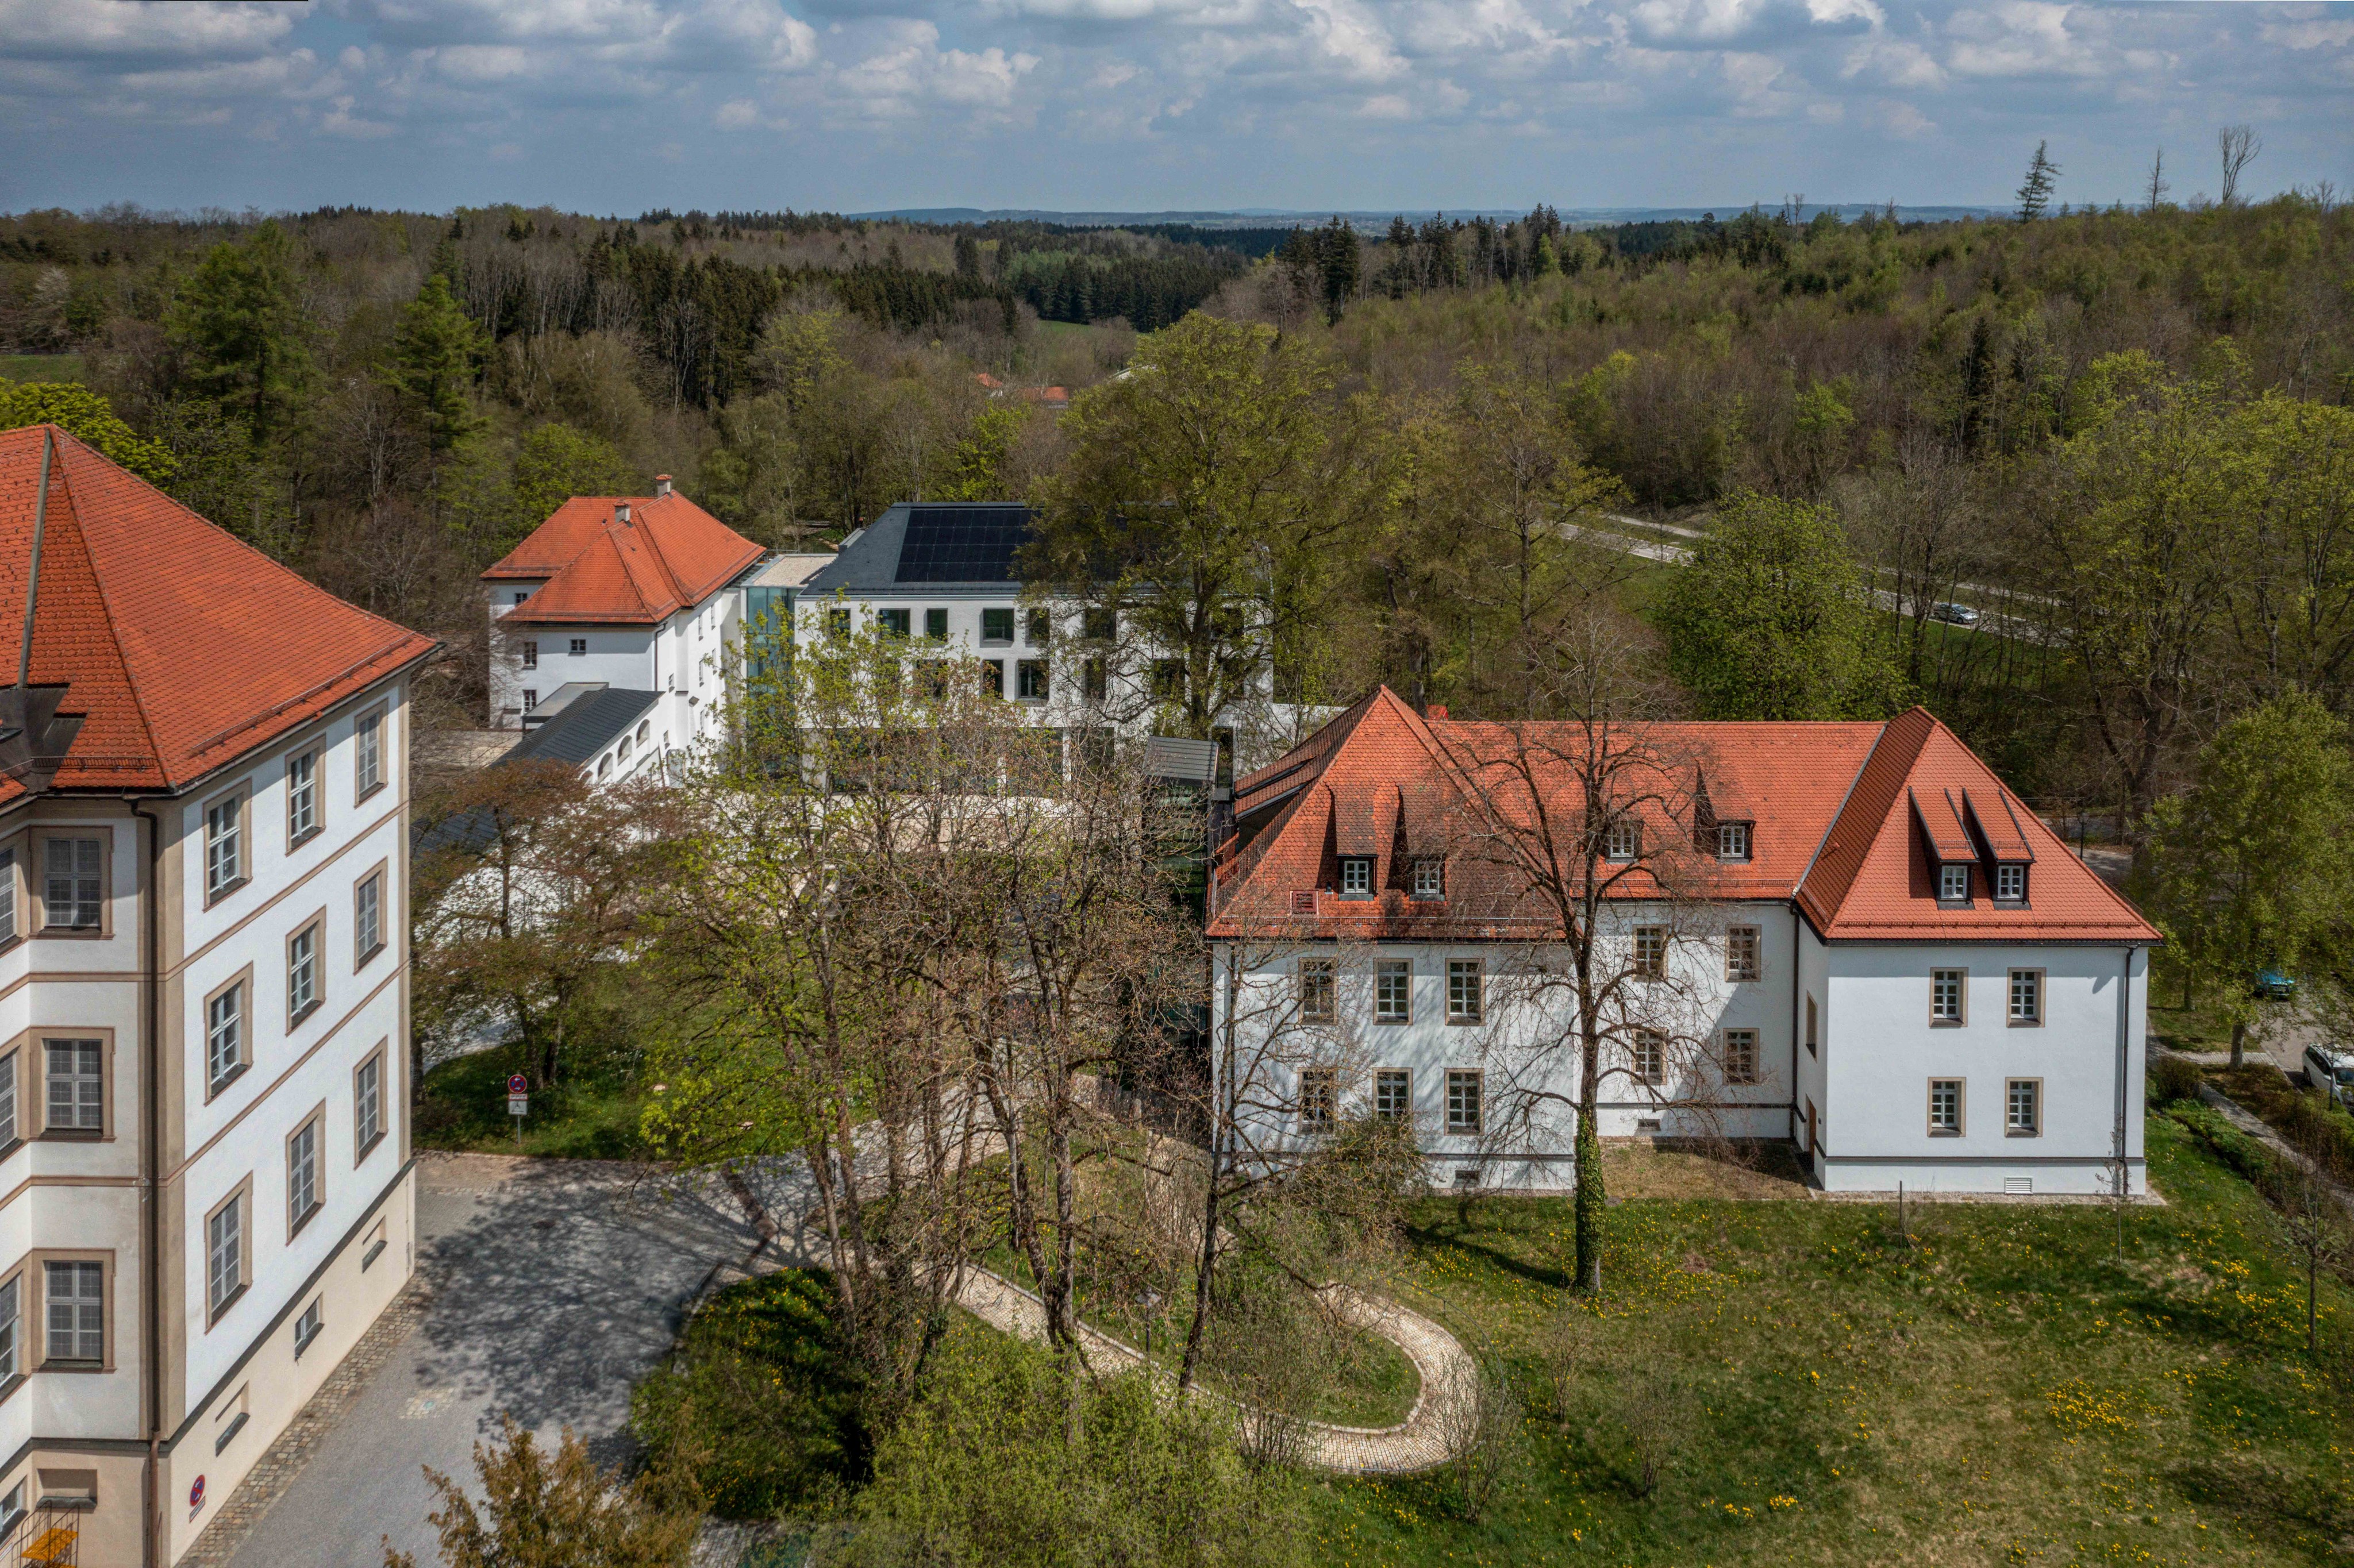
x: 935, y: 623
x: 238, y: 797
x: 1475, y: 1080
x: 2010, y: 1087
x: 36, y: 1267
x: 1946, y: 868
x: 988, y: 637
x: 1960, y: 1128
x: 1652, y: 1042
x: 41, y: 1039
x: 368, y: 727
x: 1653, y: 967
x: 1037, y: 628
x: 16, y: 901
x: 2006, y: 869
x: 1429, y: 869
x: 1317, y: 988
x: 1740, y: 942
x: 20, y: 1120
x: 1477, y: 969
x: 1622, y: 841
x: 1813, y: 1027
x: 316, y: 1317
x: 1318, y: 1108
x: 1961, y: 1016
x: 1748, y: 1075
x: 103, y: 836
x: 1351, y: 867
x: 993, y: 678
x: 313, y: 1122
x: 13, y: 1349
x: 363, y: 1142
x: 316, y: 754
x: 1393, y: 1094
x: 527, y: 651
x: 575, y: 648
x: 379, y: 876
x: 893, y: 621
x: 241, y: 981
x: 2013, y: 1018
x: 1400, y: 971
x: 315, y: 928
x: 1031, y: 680
x: 1726, y: 833
x: 240, y: 1198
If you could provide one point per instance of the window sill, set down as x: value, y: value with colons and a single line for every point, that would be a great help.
x: 1393, y: 1023
x: 227, y: 1303
x: 1957, y: 904
x: 66, y: 1366
x: 221, y: 1084
x: 366, y: 1148
x: 72, y: 933
x: 235, y: 1427
x: 1465, y: 1022
x: 296, y: 1020
x: 1944, y: 1132
x: 7, y: 1389
x: 299, y: 840
x: 303, y: 1342
x: 2025, y: 1023
x: 227, y: 889
x: 364, y: 959
x: 304, y: 1219
x: 369, y: 793
x: 2014, y: 1132
x: 1948, y: 1023
x: 66, y: 1505
x: 73, y: 1135
x: 372, y: 1255
x: 11, y: 1147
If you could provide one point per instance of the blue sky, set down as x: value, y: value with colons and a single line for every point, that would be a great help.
x: 620, y: 105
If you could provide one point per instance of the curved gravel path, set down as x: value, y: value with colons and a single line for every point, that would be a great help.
x: 1426, y: 1438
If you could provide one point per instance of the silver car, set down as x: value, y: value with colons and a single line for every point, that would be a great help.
x: 2328, y: 1067
x: 1957, y: 614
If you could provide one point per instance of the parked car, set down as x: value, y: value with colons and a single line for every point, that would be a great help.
x: 1959, y: 614
x: 2330, y: 1069
x: 2274, y: 986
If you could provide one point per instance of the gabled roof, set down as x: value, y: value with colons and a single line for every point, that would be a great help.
x: 185, y: 647
x: 1835, y: 828
x: 597, y: 567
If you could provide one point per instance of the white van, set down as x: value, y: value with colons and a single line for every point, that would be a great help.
x: 2328, y: 1067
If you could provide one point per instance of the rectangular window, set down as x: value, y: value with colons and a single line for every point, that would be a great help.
x: 224, y: 845
x: 1944, y: 1107
x: 1037, y: 628
x: 1169, y: 680
x: 8, y: 1129
x: 992, y: 677
x: 1316, y: 1000
x: 1099, y: 625
x: 1464, y: 1113
x: 1953, y: 881
x: 307, y: 1327
x: 837, y: 621
x: 1393, y: 1094
x: 7, y: 895
x: 301, y: 1175
x: 1320, y: 1094
x: 531, y: 655
x: 2022, y: 1108
x: 1392, y: 984
x: 74, y: 898
x: 1810, y: 1023
x: 1430, y: 878
x: 997, y: 626
x: 1651, y: 953
x: 11, y: 1324
x: 579, y: 647
x: 225, y: 1254
x: 225, y: 1035
x: 302, y: 796
x: 1029, y: 680
x: 367, y: 754
x: 1356, y: 876
x: 1465, y: 992
x: 367, y: 1103
x: 891, y: 622
x: 936, y: 624
x: 1623, y: 839
x: 1732, y: 840
x: 1741, y: 959
x: 1741, y: 1055
x: 1650, y: 1057
x: 1946, y: 990
x: 2010, y: 883
x: 76, y: 1075
x: 302, y: 973
x: 2026, y: 996
x: 77, y: 1315
x: 1095, y: 680
x: 367, y: 919
x: 530, y: 699
x: 520, y: 595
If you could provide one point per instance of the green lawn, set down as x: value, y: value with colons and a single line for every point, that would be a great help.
x: 1995, y: 1390
x: 41, y: 367
x: 463, y: 1105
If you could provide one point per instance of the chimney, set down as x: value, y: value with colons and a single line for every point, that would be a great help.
x: 1436, y: 711
x: 661, y: 487
x: 622, y: 513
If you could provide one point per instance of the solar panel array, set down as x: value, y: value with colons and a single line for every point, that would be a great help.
x: 962, y: 543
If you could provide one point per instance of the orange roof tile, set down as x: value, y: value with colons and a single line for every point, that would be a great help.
x: 670, y: 554
x: 185, y: 647
x: 1833, y: 827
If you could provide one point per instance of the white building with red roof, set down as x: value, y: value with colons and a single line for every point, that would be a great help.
x: 1863, y: 942
x: 206, y: 1192
x: 619, y: 594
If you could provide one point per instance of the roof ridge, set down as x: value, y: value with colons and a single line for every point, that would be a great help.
x: 627, y: 538
x: 653, y: 545
x: 106, y: 605
x: 1888, y: 731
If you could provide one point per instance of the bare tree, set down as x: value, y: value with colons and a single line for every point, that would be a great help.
x: 2238, y: 146
x: 2157, y: 188
x: 2314, y: 1228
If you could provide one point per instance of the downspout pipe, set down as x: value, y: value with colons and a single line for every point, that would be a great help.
x: 151, y: 1083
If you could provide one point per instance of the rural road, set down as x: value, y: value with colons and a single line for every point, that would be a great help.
x: 555, y: 1284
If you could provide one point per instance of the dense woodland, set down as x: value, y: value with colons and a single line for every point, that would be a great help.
x: 2122, y: 435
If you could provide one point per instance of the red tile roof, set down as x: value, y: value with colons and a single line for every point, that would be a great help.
x: 1833, y: 809
x: 185, y: 647
x: 669, y: 554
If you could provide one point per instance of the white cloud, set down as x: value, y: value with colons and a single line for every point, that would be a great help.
x: 340, y: 121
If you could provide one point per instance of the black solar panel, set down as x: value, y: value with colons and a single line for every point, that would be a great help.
x: 962, y: 543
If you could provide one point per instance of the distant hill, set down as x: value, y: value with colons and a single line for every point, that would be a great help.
x: 1259, y: 218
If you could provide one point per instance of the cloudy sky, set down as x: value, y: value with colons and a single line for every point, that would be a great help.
x: 620, y: 105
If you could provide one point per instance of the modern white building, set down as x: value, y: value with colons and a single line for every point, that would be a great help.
x: 205, y: 1193
x: 618, y: 593
x: 1894, y: 963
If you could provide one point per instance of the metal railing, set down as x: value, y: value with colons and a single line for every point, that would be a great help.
x: 45, y: 1537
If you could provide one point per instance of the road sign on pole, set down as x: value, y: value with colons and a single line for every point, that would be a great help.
x: 518, y: 1103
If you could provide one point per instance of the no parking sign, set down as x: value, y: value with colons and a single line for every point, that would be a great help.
x: 196, y: 1498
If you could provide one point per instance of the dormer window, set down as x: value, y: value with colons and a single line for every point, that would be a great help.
x: 1430, y: 878
x: 1623, y: 839
x: 1356, y: 876
x: 1954, y: 882
x: 1732, y: 840
x: 2010, y: 883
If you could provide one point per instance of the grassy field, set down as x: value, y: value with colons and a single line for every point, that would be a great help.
x: 463, y: 1105
x: 41, y: 367
x: 1994, y: 1389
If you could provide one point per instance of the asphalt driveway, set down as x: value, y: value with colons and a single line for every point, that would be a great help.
x: 555, y: 1284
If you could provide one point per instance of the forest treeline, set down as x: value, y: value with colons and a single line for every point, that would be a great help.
x: 390, y: 400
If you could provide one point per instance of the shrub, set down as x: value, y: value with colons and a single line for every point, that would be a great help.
x: 2171, y: 1078
x: 558, y: 1512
